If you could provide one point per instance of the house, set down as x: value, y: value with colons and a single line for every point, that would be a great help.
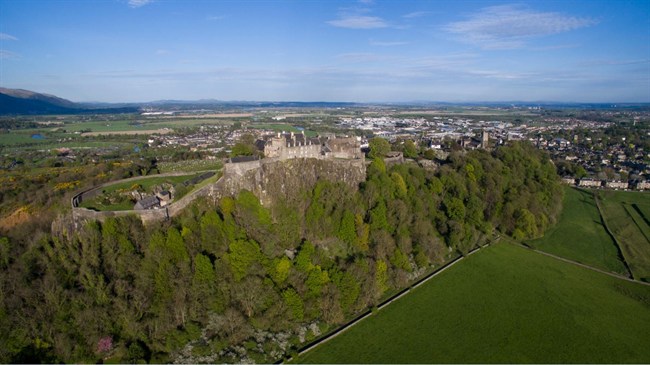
x: 643, y: 185
x: 149, y: 202
x: 569, y: 180
x: 615, y: 184
x: 590, y: 183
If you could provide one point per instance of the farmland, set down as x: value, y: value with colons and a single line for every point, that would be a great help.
x: 630, y: 227
x: 504, y: 304
x: 580, y: 235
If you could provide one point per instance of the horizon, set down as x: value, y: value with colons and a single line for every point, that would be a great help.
x: 367, y: 52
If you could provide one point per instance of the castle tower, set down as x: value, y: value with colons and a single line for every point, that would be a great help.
x: 485, y: 139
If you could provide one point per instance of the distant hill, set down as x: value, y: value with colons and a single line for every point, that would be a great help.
x: 19, y: 101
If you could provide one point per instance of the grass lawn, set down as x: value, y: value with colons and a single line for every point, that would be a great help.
x: 189, y: 165
x: 504, y: 304
x: 630, y: 229
x: 580, y: 236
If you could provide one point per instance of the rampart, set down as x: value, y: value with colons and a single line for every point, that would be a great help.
x: 149, y: 215
x: 270, y: 179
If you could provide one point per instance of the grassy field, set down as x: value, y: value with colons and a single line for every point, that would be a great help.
x: 504, y: 304
x: 24, y: 137
x: 630, y: 228
x: 107, y: 126
x: 580, y: 236
x: 189, y: 165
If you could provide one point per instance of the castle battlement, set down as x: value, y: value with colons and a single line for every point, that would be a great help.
x: 296, y: 145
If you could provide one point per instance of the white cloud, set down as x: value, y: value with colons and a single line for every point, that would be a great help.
x: 509, y: 26
x: 7, y: 37
x: 139, y: 3
x: 161, y: 52
x: 358, y: 22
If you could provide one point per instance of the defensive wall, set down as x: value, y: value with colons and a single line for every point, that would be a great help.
x: 269, y: 179
x: 148, y: 215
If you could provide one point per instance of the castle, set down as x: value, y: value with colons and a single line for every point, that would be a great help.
x: 296, y: 145
x: 292, y: 162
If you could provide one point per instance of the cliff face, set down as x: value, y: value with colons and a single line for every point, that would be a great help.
x: 272, y: 180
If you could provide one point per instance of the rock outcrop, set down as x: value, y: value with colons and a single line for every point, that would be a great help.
x: 272, y: 180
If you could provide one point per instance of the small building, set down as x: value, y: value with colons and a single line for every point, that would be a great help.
x: 569, y: 180
x: 165, y: 197
x: 643, y: 185
x: 616, y: 184
x: 149, y: 202
x: 590, y: 183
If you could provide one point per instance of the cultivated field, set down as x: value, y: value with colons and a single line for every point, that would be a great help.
x: 145, y: 132
x: 630, y: 227
x: 505, y: 304
x: 580, y: 235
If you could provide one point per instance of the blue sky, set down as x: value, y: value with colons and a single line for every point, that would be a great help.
x: 364, y: 51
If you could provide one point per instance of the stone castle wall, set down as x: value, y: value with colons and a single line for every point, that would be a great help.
x: 269, y: 179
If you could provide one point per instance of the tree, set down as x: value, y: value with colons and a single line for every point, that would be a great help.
x: 242, y: 254
x: 381, y: 278
x: 241, y: 149
x: 281, y: 269
x: 379, y: 147
x: 203, y: 286
x: 295, y: 304
x: 410, y: 149
x: 347, y: 230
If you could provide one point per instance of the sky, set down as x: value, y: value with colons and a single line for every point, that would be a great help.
x: 328, y: 50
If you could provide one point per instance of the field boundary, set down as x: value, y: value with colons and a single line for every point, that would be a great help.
x: 513, y: 242
x: 609, y: 231
x: 629, y: 207
x: 383, y: 304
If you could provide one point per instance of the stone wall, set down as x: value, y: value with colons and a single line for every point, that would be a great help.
x: 269, y: 179
x: 147, y: 216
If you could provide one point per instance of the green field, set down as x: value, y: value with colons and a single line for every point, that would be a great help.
x: 505, y: 304
x: 189, y: 165
x: 580, y: 236
x: 630, y: 226
x: 107, y: 126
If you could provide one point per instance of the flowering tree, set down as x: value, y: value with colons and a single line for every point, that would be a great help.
x: 105, y: 344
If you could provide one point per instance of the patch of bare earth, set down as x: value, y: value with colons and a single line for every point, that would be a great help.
x: 18, y: 216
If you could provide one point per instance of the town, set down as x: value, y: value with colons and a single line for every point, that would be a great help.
x: 598, y: 149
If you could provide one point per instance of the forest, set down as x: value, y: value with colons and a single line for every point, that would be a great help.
x: 234, y: 280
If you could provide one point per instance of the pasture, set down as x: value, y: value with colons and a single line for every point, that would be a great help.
x: 505, y: 304
x: 630, y: 226
x: 579, y: 234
